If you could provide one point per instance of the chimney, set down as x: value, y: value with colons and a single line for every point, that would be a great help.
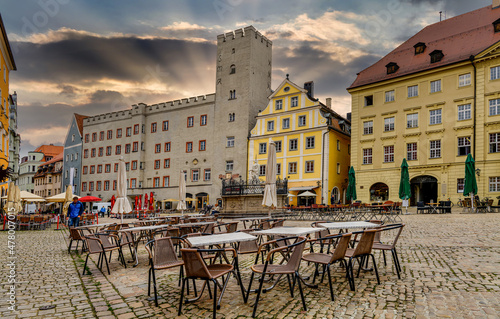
x: 309, y: 87
x: 329, y: 102
x: 349, y: 116
x: 495, y: 4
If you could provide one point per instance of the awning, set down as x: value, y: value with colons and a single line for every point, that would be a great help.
x: 302, y: 188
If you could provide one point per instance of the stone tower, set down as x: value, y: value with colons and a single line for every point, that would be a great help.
x: 243, y: 83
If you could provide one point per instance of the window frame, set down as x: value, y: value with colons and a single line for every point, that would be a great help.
x: 464, y: 143
x: 389, y: 154
x: 293, y: 141
x: 433, y: 88
x: 462, y: 80
x: 412, y: 91
x: 270, y: 125
x: 390, y: 96
x: 434, y: 116
x: 300, y: 118
x: 436, y: 148
x: 389, y: 124
x: 309, y: 167
x: 262, y: 148
x: 464, y: 112
x: 278, y: 105
x: 190, y: 121
x: 204, y: 144
x: 154, y: 127
x: 368, y: 127
x: 188, y: 145
x: 367, y: 156
x: 412, y: 151
x: 230, y: 141
x: 164, y: 126
x: 285, y: 120
x: 310, y: 142
x: 292, y: 99
x: 494, y: 144
x: 292, y: 167
x: 203, y: 123
x: 166, y: 163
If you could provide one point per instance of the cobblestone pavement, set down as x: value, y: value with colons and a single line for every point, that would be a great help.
x: 451, y: 269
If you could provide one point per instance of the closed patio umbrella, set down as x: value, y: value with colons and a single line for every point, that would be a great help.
x: 113, y: 200
x: 470, y: 186
x: 182, y: 192
x: 351, y: 187
x: 18, y: 199
x: 404, y: 183
x: 151, y: 201
x: 11, y: 198
x: 270, y: 198
x: 170, y: 200
x: 67, y: 199
x: 122, y: 204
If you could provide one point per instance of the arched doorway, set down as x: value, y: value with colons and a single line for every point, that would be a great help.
x: 424, y: 188
x: 202, y: 200
x: 379, y: 192
x: 189, y: 204
x: 335, y: 195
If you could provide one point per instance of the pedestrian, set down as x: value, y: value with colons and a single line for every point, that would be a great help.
x: 109, y: 211
x: 75, y: 210
x: 102, y: 211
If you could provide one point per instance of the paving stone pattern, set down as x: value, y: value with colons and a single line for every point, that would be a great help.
x: 451, y: 269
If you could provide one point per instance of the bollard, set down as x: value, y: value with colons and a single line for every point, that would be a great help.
x: 97, y: 219
x: 57, y: 222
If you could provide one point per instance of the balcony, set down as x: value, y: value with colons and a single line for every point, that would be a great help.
x: 239, y: 187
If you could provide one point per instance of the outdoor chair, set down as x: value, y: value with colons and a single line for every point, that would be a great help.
x: 24, y: 221
x: 322, y: 232
x: 326, y: 259
x: 162, y: 255
x: 197, y: 268
x: 290, y: 266
x: 230, y: 227
x: 249, y: 247
x: 362, y: 251
x: 278, y: 223
x: 95, y: 246
x: 391, y: 246
x: 444, y: 207
x: 74, y: 235
x: 110, y: 243
x: 421, y: 208
x: 265, y: 224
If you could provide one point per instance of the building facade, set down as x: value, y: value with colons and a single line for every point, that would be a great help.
x: 48, y: 177
x: 433, y: 100
x: 7, y: 64
x: 206, y: 135
x: 72, y: 155
x: 312, y: 145
x: 29, y: 165
x: 14, y: 138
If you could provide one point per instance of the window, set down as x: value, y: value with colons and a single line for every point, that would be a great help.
x: 232, y: 69
x: 390, y: 96
x: 367, y: 156
x: 84, y: 186
x: 229, y: 165
x: 464, y: 80
x: 338, y: 145
x: 292, y: 168
x: 118, y: 149
x: 153, y: 127
x: 435, y: 86
x: 127, y: 148
x: 278, y: 169
x: 203, y: 120
x: 368, y: 100
x: 435, y: 117
x: 156, y: 182
x: 495, y: 73
x: 495, y: 143
x: 294, y: 101
x: 278, y: 105
x: 109, y: 134
x: 460, y: 185
x: 134, y: 165
x: 99, y: 185
x: 389, y: 124
x: 368, y: 127
x: 232, y: 94
x: 106, y: 185
x: 189, y: 147
x: 435, y: 148
x: 118, y: 133
x: 166, y: 181
x: 392, y: 67
x: 157, y: 148
x: 135, y: 146
x: 157, y: 164
x: 127, y: 166
x: 101, y: 151
x: 116, y: 167
x: 411, y: 151
x: 309, y: 166
x: 108, y: 150
x: 278, y: 146
x: 262, y: 148
x: 419, y: 48
x: 464, y: 112
x: 207, y: 174
x: 230, y: 141
x: 92, y: 169
x: 285, y: 123
x: 413, y: 91
x: 86, y: 153
x: 165, y: 126
x: 310, y: 142
x: 262, y: 170
x: 114, y: 185
x: 99, y: 169
x: 463, y: 146
x: 136, y: 129
x: 495, y: 107
x: 101, y: 136
x: 167, y: 147
x: 294, y: 144
x: 203, y: 145
x: 85, y: 170
x: 133, y: 182
x: 94, y: 137
x: 302, y: 120
x: 86, y: 138
x: 270, y: 125
x: 128, y: 132
x: 389, y: 154
x: 494, y: 184
x: 166, y: 163
x: 436, y: 56
x: 91, y: 186
x: 190, y: 121
x: 232, y: 117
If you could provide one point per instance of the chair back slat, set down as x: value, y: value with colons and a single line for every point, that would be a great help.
x: 93, y: 244
x: 341, y: 247
x: 365, y: 244
x: 164, y: 252
x: 295, y: 258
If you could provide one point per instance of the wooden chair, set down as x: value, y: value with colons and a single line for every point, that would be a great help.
x: 362, y: 251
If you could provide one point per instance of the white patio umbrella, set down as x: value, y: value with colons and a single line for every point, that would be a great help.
x: 270, y: 198
x: 18, y: 199
x: 182, y: 192
x: 59, y: 198
x: 291, y: 195
x: 11, y: 199
x: 307, y: 194
x: 122, y: 205
x: 68, y: 198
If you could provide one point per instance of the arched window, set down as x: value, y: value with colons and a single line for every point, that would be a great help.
x: 232, y: 94
x: 335, y: 197
x: 231, y: 117
x: 232, y: 69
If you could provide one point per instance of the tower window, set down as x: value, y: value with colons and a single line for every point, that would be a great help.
x: 232, y: 94
x: 496, y: 25
x: 419, y: 48
x: 436, y: 56
x: 233, y: 50
x: 392, y: 67
x: 232, y: 117
x: 233, y: 69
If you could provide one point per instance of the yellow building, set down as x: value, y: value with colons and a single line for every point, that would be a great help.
x: 7, y: 64
x: 312, y: 144
x: 433, y: 100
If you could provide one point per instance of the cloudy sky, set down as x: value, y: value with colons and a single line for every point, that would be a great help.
x: 94, y: 56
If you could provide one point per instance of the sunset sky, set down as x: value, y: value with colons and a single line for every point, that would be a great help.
x: 95, y: 56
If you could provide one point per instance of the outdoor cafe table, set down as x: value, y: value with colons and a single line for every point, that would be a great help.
x: 348, y: 225
x: 145, y: 231
x: 94, y: 226
x: 286, y: 231
x: 219, y: 239
x: 253, y: 220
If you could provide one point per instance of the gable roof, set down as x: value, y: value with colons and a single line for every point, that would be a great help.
x: 283, y: 83
x: 79, y: 122
x: 57, y: 158
x: 50, y: 150
x: 459, y: 38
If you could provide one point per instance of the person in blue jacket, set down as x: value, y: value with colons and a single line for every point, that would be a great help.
x: 75, y: 210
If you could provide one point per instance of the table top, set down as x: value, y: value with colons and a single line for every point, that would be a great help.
x: 143, y: 228
x: 94, y: 225
x: 286, y: 231
x: 252, y: 218
x: 348, y: 225
x: 219, y: 239
x: 194, y: 224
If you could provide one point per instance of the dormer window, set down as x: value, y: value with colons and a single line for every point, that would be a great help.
x: 419, y: 48
x: 436, y: 56
x: 496, y: 26
x: 392, y: 67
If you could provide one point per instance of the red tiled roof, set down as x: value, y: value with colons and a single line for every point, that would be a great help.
x: 79, y: 122
x: 458, y: 37
x: 57, y: 158
x: 49, y: 150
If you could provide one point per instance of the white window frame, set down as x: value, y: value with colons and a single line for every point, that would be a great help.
x: 195, y: 175
x: 286, y: 123
x: 262, y: 170
x: 278, y: 105
x: 435, y: 86
x: 494, y: 107
x: 389, y: 124
x: 302, y: 120
x: 229, y: 166
x: 411, y: 122
x: 389, y: 154
x: 293, y: 141
x: 367, y: 127
x: 230, y: 141
x: 463, y: 142
x: 390, y: 96
x: 270, y: 126
x: 411, y: 151
x: 435, y: 149
x: 435, y: 117
x: 294, y: 101
x: 262, y: 148
x: 464, y: 80
x: 494, y: 184
x: 494, y: 142
x: 495, y: 73
x: 278, y: 146
x: 309, y: 166
x: 464, y: 112
x: 367, y: 156
x: 310, y: 142
x: 413, y: 91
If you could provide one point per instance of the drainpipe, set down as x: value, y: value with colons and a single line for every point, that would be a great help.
x: 471, y: 58
x: 322, y: 167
